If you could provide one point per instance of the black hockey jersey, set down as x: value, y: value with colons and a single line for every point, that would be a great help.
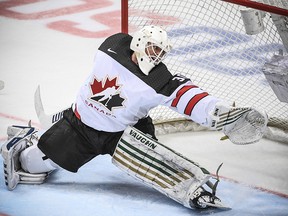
x: 117, y: 94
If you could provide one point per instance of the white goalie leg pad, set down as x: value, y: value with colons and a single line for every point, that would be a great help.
x: 11, y: 151
x: 242, y: 125
x: 34, y: 161
x: 158, y: 166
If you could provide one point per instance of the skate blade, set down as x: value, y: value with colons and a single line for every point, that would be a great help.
x: 217, y: 205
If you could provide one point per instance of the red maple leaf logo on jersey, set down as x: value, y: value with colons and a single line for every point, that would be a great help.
x: 107, y: 93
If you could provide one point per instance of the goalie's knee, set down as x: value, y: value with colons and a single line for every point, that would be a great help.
x: 33, y: 160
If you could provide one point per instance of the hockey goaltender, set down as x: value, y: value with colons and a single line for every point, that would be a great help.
x: 128, y: 79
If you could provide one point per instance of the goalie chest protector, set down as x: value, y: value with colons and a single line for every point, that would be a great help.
x: 118, y: 94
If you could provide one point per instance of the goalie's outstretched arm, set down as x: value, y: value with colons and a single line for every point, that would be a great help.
x: 242, y: 125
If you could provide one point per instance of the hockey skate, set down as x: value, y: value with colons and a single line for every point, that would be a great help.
x: 203, y: 199
x: 20, y: 139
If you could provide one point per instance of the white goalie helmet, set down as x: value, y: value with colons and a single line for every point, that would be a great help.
x: 151, y: 45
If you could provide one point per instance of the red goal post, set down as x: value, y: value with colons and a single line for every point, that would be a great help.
x: 217, y: 50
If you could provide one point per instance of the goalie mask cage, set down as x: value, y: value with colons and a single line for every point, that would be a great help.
x: 212, y: 48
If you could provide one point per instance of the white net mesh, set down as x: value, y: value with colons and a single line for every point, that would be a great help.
x: 210, y: 46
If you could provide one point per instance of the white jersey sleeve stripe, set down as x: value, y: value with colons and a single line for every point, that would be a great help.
x: 181, y: 92
x: 194, y: 100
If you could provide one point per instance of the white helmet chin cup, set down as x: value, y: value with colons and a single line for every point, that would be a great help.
x: 144, y: 63
x: 150, y: 35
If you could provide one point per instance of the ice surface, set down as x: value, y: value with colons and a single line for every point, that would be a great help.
x: 99, y: 188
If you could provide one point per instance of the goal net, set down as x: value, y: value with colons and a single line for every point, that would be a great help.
x: 216, y: 50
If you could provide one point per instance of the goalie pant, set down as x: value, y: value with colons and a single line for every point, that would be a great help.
x: 41, y: 153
